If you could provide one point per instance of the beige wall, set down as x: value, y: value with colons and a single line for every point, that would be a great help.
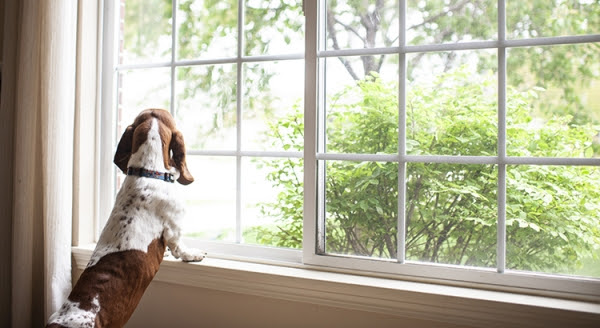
x: 169, y: 305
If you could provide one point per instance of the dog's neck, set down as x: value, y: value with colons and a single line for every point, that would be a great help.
x: 150, y: 154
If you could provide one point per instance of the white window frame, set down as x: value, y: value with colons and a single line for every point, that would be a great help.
x: 111, y: 68
x: 314, y: 252
x: 312, y: 255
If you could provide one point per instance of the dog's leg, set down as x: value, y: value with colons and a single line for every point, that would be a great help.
x: 179, y: 250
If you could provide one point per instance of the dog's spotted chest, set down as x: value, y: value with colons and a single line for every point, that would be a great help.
x: 138, y: 215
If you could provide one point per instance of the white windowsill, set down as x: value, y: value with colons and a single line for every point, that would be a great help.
x: 458, y: 305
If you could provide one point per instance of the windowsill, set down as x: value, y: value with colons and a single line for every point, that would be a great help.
x: 458, y: 305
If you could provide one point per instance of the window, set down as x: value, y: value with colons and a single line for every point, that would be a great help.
x: 453, y: 140
x: 228, y: 71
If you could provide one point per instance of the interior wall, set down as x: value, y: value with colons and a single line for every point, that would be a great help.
x: 171, y: 305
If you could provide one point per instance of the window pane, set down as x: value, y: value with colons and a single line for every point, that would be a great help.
x: 272, y: 196
x: 451, y: 104
x: 552, y: 101
x: 451, y: 214
x: 450, y: 21
x: 206, y: 106
x: 362, y: 115
x: 210, y: 199
x: 207, y: 29
x: 361, y: 203
x: 273, y: 107
x: 530, y: 19
x: 142, y: 89
x: 273, y: 27
x: 552, y: 219
x: 146, y: 31
x: 362, y: 24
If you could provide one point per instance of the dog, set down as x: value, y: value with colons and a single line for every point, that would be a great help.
x: 145, y: 221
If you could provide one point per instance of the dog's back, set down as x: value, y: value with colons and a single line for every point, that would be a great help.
x: 143, y: 222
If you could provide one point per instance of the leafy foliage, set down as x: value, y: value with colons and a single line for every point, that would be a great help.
x: 552, y: 212
x: 451, y: 212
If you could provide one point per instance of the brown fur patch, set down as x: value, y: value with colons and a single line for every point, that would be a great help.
x: 172, y: 140
x: 119, y: 281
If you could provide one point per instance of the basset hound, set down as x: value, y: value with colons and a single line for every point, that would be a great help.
x: 144, y: 221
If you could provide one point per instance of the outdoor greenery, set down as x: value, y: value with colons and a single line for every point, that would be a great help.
x: 552, y: 212
x: 553, y: 110
x: 451, y: 212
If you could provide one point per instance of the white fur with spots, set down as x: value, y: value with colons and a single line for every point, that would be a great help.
x: 145, y: 209
x: 70, y: 315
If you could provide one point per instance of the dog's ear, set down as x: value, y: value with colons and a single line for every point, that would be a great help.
x: 123, y: 152
x: 177, y: 146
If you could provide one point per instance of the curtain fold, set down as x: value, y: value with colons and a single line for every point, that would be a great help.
x: 43, y: 108
x: 58, y: 61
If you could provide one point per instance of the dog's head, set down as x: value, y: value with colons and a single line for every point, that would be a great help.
x: 172, y: 142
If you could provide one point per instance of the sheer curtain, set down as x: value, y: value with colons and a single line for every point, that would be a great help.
x: 38, y: 124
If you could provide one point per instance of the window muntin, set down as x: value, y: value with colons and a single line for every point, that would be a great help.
x: 399, y: 68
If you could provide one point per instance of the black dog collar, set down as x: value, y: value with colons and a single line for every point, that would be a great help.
x: 141, y: 172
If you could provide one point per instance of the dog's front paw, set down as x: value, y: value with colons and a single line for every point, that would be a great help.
x: 193, y: 255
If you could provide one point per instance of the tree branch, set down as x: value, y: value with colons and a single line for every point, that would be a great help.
x: 336, y: 46
x: 457, y: 6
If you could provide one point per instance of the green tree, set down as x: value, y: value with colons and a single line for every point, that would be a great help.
x: 552, y: 212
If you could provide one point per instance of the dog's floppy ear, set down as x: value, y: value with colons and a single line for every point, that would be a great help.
x: 123, y: 152
x: 177, y: 146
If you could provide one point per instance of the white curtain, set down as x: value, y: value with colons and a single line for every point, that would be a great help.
x: 38, y: 106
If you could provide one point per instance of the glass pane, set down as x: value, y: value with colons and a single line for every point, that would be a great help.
x: 210, y: 199
x: 361, y: 208
x: 451, y: 214
x: 145, y: 31
x: 273, y: 27
x: 362, y: 24
x: 207, y: 29
x: 553, y: 107
x: 531, y: 19
x: 362, y: 115
x: 552, y: 219
x: 451, y: 104
x: 139, y: 90
x: 272, y: 106
x: 206, y: 106
x: 450, y: 21
x: 272, y: 196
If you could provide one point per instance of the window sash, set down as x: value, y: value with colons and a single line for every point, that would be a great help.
x: 111, y: 69
x: 313, y: 253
